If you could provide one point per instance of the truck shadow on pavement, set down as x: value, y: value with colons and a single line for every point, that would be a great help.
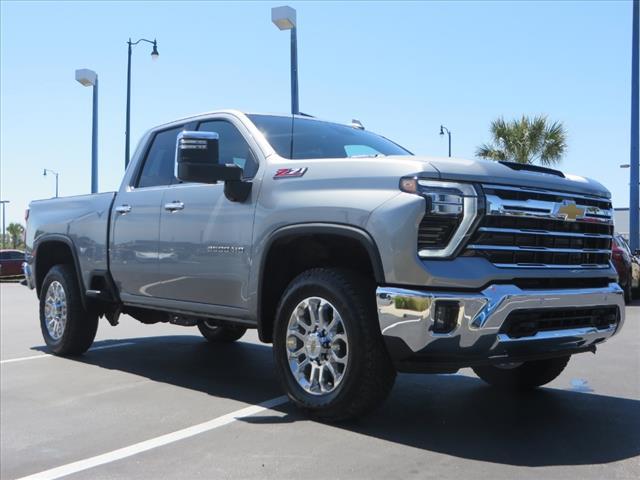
x: 456, y: 415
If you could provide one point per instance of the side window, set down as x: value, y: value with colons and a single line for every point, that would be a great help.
x: 233, y: 147
x: 158, y: 166
x: 16, y: 256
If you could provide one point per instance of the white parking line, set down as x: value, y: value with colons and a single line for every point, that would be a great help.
x: 152, y: 443
x: 33, y: 357
x: 113, y: 345
x: 45, y: 355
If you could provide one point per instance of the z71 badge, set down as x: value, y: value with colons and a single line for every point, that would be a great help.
x: 290, y: 172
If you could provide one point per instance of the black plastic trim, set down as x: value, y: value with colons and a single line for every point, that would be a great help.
x: 532, y: 168
x: 52, y: 238
x: 318, y: 228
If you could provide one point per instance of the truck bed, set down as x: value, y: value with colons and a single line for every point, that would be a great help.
x: 84, y: 219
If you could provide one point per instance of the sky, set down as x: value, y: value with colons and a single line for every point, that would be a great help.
x: 402, y: 68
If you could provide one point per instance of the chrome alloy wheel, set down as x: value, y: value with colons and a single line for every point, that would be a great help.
x: 317, y: 346
x: 55, y: 310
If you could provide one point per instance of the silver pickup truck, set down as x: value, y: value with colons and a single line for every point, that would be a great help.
x: 354, y: 257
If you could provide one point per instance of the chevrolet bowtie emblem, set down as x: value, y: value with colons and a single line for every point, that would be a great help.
x: 569, y: 211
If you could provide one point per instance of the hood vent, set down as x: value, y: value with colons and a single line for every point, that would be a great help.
x: 532, y: 168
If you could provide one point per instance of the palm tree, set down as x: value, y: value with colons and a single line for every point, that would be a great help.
x: 15, y: 231
x: 526, y: 141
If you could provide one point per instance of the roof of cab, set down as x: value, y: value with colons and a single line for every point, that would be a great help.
x: 240, y: 113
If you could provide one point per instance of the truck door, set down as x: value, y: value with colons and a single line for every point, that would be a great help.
x: 135, y: 223
x: 205, y: 239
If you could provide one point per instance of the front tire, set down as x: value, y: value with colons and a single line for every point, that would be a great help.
x: 526, y: 376
x: 328, y: 348
x: 67, y: 327
x: 220, y: 334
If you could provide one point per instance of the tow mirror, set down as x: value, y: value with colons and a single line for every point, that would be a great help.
x: 197, y: 156
x: 197, y: 159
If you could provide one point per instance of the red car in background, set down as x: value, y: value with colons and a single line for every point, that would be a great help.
x: 11, y: 263
x: 623, y: 262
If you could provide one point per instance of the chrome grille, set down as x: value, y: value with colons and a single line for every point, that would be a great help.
x: 531, y: 228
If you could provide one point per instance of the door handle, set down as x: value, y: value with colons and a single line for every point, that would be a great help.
x: 122, y: 209
x: 173, y: 206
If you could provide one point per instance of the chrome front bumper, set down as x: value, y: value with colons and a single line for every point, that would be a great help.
x: 408, y: 330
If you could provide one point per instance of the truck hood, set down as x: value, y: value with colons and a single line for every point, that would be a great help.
x: 485, y: 171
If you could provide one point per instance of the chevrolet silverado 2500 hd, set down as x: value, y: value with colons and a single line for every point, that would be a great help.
x: 355, y: 258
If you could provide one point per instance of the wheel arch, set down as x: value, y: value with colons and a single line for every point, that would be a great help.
x: 346, y: 243
x: 51, y: 250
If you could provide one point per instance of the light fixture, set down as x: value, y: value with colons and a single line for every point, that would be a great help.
x: 283, y: 17
x: 86, y: 77
x: 154, y: 52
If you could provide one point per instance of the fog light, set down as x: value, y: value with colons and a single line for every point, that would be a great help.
x: 445, y: 318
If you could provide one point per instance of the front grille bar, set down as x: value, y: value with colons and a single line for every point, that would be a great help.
x: 524, y: 231
x: 542, y: 209
x: 549, y: 194
x: 516, y: 248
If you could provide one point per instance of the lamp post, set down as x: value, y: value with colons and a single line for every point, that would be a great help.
x: 89, y: 78
x: 154, y: 56
x: 285, y: 19
x: 442, y: 130
x: 634, y: 170
x: 44, y: 174
x: 4, y: 228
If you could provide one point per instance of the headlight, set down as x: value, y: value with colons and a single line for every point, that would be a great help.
x: 451, y: 209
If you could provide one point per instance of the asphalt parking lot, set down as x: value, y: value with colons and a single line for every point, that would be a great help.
x: 151, y: 401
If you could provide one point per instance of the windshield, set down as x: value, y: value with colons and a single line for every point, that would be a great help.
x: 318, y: 139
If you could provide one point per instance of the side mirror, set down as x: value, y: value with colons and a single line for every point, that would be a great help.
x: 197, y: 159
x: 197, y: 155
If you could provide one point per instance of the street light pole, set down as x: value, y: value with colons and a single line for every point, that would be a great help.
x: 4, y: 228
x: 89, y: 78
x: 94, y: 140
x: 295, y: 109
x: 44, y: 174
x: 442, y: 130
x: 127, y: 121
x: 285, y: 19
x: 154, y: 56
x: 634, y: 174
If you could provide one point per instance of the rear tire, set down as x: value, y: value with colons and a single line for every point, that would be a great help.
x: 220, y: 334
x: 523, y: 377
x: 67, y: 327
x: 326, y: 331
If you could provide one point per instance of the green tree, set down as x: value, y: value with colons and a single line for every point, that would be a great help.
x: 525, y: 141
x: 15, y: 231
